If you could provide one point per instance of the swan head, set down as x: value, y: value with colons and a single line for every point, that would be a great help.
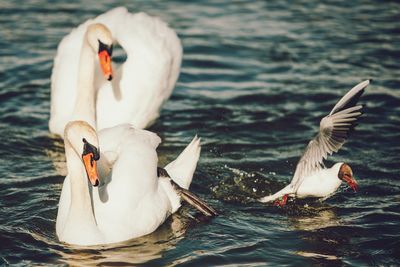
x: 83, y: 139
x: 346, y: 174
x: 100, y: 39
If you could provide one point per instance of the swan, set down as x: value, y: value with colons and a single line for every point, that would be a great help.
x: 311, y: 178
x: 114, y: 190
x: 138, y: 87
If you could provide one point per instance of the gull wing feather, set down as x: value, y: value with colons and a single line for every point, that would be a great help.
x: 333, y: 131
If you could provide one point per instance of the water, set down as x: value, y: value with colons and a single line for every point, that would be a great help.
x: 256, y: 79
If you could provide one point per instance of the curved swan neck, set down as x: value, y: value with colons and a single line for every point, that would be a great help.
x: 81, y: 210
x: 85, y: 102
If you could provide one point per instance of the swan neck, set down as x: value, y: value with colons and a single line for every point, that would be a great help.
x: 81, y: 203
x: 85, y: 103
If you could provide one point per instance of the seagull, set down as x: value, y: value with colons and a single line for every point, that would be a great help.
x: 311, y: 178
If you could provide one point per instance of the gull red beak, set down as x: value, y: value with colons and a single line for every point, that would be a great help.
x: 351, y: 182
x: 346, y: 174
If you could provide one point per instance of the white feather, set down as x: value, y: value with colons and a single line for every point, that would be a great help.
x: 140, y: 85
x: 132, y: 200
x: 310, y: 178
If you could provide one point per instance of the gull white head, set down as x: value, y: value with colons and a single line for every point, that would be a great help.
x: 82, y: 138
x: 100, y: 39
x: 345, y: 173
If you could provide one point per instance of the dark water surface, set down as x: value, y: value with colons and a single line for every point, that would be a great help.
x: 256, y: 79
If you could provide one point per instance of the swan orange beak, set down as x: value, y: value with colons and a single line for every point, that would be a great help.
x: 91, y: 168
x: 105, y: 63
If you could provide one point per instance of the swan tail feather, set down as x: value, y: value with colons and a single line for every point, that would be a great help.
x: 186, y: 195
x: 183, y: 167
x: 196, y: 202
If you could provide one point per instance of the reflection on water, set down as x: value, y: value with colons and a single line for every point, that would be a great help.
x: 320, y: 258
x: 314, y: 218
x: 136, y: 251
x: 256, y: 78
x: 316, y: 222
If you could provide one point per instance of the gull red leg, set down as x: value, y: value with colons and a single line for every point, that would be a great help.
x: 281, y: 201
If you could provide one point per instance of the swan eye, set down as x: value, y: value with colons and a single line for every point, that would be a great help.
x: 104, y: 47
x: 90, y: 149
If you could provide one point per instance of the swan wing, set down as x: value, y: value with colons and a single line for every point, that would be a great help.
x: 129, y: 203
x: 129, y: 154
x: 147, y: 77
x: 140, y: 85
x: 333, y: 132
x: 64, y: 76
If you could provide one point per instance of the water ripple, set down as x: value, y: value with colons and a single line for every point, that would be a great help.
x: 256, y: 79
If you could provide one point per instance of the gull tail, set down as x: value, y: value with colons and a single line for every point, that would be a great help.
x: 288, y: 190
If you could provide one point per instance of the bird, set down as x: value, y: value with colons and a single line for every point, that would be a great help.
x: 135, y: 92
x: 114, y: 190
x: 119, y: 193
x: 311, y: 177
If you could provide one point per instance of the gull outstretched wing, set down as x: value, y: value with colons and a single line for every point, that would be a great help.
x: 333, y: 132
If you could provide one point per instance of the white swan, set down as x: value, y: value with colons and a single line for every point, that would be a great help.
x: 311, y: 179
x: 129, y: 196
x: 139, y: 87
x: 134, y: 196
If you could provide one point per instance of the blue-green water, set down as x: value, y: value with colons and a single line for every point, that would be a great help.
x: 256, y: 79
